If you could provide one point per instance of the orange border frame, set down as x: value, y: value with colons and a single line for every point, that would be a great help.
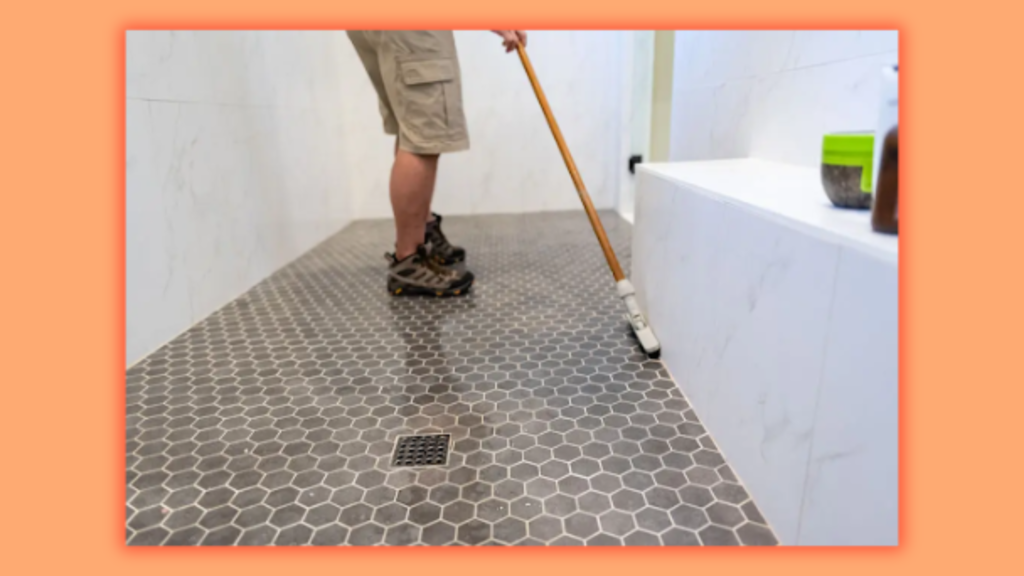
x: 63, y: 231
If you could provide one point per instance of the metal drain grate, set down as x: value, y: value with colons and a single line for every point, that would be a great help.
x: 425, y: 450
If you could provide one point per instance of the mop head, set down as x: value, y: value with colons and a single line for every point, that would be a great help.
x: 644, y: 334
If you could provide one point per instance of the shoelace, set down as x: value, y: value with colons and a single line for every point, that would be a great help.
x: 434, y: 266
x: 439, y: 240
x: 431, y: 264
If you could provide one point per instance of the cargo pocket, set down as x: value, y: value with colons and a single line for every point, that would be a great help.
x: 427, y: 86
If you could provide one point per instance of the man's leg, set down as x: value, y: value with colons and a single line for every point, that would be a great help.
x: 421, y: 101
x: 412, y: 188
x: 447, y: 253
x: 413, y: 268
x: 430, y: 215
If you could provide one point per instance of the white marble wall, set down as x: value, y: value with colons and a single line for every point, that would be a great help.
x: 246, y: 149
x: 851, y: 493
x: 235, y: 143
x: 773, y: 94
x: 514, y: 164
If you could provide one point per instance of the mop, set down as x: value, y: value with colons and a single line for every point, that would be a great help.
x: 644, y: 334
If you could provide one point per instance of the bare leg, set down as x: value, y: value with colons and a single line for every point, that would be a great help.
x: 412, y: 188
x: 430, y: 215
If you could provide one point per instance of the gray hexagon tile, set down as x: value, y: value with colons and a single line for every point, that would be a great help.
x: 272, y: 422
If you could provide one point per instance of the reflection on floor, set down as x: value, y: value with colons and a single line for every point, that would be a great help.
x: 274, y: 420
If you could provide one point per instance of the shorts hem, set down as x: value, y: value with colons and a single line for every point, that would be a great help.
x: 445, y: 147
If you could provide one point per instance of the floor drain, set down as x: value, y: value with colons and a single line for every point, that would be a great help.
x: 425, y: 450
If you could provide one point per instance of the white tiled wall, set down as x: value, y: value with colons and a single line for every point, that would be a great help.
x: 233, y: 148
x: 851, y: 495
x: 774, y: 94
x: 246, y: 149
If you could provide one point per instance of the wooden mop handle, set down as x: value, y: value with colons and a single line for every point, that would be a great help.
x: 595, y: 222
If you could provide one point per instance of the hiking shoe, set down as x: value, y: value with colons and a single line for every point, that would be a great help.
x: 420, y: 275
x: 439, y: 247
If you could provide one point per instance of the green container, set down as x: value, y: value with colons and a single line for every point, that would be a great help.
x: 847, y: 161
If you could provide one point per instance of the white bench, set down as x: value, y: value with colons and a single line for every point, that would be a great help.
x: 778, y: 317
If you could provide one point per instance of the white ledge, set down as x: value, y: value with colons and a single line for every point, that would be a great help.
x: 778, y: 316
x: 792, y: 195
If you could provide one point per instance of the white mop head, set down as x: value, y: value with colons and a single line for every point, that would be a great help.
x: 643, y: 331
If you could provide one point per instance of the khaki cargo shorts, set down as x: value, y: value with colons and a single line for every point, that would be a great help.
x: 416, y: 76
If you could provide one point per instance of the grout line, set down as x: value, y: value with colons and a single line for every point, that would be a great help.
x: 218, y: 104
x: 817, y: 396
x: 784, y: 71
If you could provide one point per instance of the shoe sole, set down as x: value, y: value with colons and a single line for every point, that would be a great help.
x: 419, y: 291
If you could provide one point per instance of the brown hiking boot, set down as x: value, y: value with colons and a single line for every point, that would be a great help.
x: 420, y: 275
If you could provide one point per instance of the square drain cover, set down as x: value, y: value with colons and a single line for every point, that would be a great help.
x: 426, y: 450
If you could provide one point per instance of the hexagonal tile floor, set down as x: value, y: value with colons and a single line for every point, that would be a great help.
x: 272, y: 422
